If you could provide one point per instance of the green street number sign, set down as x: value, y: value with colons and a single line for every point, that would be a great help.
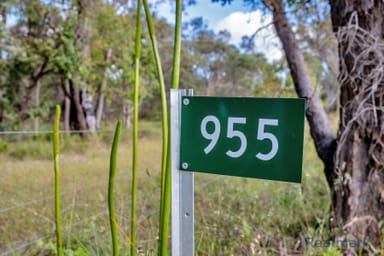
x: 247, y: 137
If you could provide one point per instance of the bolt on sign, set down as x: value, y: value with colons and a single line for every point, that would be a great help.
x: 247, y: 137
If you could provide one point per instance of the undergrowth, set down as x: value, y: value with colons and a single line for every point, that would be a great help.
x: 233, y: 216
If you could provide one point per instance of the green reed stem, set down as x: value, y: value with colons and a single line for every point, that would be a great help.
x: 164, y: 116
x: 165, y: 142
x: 56, y: 155
x: 175, y: 85
x: 111, y: 198
x: 135, y: 128
x: 177, y: 46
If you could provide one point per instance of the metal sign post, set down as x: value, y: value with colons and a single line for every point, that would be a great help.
x: 182, y: 186
x: 246, y: 137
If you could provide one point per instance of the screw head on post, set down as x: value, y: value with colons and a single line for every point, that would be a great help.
x: 185, y: 101
x: 184, y: 166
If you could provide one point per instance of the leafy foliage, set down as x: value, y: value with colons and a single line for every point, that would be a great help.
x: 45, y: 51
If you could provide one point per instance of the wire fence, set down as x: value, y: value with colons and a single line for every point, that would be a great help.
x: 102, y: 213
x: 27, y: 245
x: 95, y: 216
x: 62, y: 194
x: 50, y: 132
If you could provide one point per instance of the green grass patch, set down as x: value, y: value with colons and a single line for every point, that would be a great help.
x: 233, y: 216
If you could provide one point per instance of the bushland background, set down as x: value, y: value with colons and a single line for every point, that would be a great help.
x: 80, y: 55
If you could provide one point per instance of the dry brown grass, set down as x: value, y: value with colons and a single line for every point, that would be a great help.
x: 233, y: 216
x: 26, y: 205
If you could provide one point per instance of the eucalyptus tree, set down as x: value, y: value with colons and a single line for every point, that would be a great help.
x: 353, y: 159
x: 33, y: 50
x: 67, y: 48
x: 359, y: 160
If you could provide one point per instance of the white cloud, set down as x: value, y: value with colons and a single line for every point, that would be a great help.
x: 247, y: 23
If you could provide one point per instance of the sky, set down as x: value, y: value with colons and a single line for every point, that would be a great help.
x: 236, y: 18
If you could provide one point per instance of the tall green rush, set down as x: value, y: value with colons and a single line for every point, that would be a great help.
x: 111, y: 200
x: 165, y: 130
x: 165, y: 201
x: 177, y: 46
x: 135, y: 128
x: 175, y: 85
x: 56, y: 155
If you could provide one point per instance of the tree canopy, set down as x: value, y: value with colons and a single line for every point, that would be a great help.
x: 50, y: 49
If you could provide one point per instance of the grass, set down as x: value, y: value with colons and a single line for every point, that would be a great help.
x: 84, y: 185
x: 56, y: 162
x: 111, y: 186
x: 233, y: 216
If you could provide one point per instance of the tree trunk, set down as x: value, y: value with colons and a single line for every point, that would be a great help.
x: 354, y: 162
x: 320, y: 128
x: 3, y: 10
x: 359, y: 190
x: 127, y: 115
x: 37, y: 106
x: 87, y: 104
x: 100, y: 91
x: 67, y: 106
x: 78, y: 83
x: 81, y: 121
